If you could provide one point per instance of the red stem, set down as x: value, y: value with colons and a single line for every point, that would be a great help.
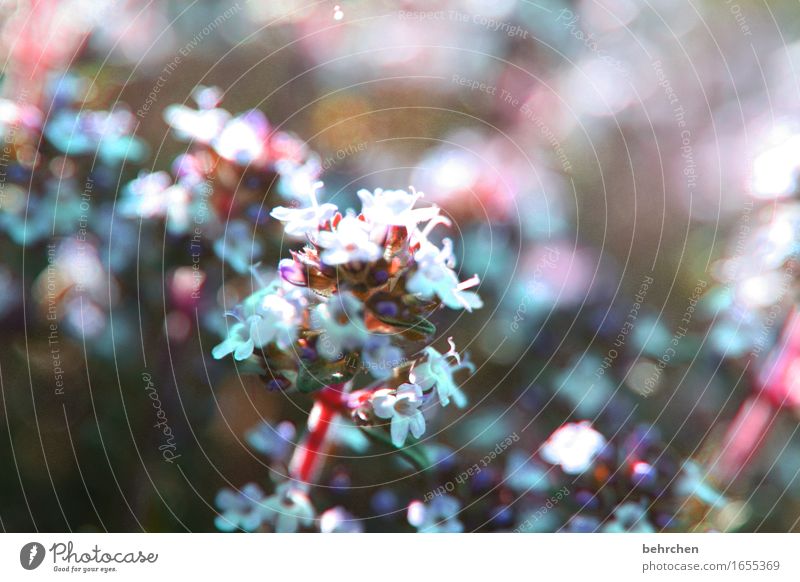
x: 777, y: 388
x: 309, y: 456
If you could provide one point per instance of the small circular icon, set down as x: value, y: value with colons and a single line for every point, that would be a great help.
x: 31, y: 555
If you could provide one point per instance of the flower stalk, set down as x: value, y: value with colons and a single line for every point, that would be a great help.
x: 309, y: 456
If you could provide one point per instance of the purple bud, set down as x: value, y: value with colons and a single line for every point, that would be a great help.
x: 292, y: 272
x: 278, y: 384
x: 386, y: 309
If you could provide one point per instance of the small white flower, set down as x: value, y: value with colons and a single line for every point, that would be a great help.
x: 435, y: 277
x: 244, y: 139
x: 341, y: 326
x: 394, y: 208
x: 298, y: 179
x: 437, y: 372
x: 200, y: 125
x: 402, y: 406
x: 305, y: 221
x: 153, y: 196
x: 288, y: 509
x: 380, y: 357
x: 349, y: 242
x: 276, y: 319
x: 271, y: 315
x: 574, y: 447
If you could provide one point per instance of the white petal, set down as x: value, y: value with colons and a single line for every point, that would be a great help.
x: 399, y: 430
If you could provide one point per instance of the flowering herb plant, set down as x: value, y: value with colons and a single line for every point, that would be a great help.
x: 347, y: 318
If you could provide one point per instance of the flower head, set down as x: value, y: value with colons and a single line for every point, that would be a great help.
x: 394, y: 208
x: 341, y: 326
x: 244, y: 139
x: 574, y: 447
x: 349, y: 242
x: 305, y: 221
x: 240, y: 509
x: 272, y: 315
x: 437, y: 371
x: 402, y: 406
x: 200, y: 125
x: 288, y: 509
x: 434, y: 276
x: 153, y: 195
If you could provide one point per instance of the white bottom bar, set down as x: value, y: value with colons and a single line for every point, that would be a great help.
x: 389, y: 557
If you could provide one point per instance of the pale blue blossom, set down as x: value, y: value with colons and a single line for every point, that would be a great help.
x: 402, y: 406
x: 380, y: 356
x: 692, y: 482
x: 296, y: 180
x: 240, y: 509
x: 440, y: 515
x: 437, y: 372
x: 272, y: 315
x: 275, y: 442
x: 524, y: 474
x: 239, y: 247
x: 341, y: 326
x: 434, y: 277
x: 152, y: 195
x: 104, y: 133
x: 630, y: 517
x: 288, y: 509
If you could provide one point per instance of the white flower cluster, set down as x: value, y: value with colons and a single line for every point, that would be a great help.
x: 354, y: 239
x: 402, y: 406
x: 272, y: 315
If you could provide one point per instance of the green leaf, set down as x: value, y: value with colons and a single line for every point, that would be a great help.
x: 420, y: 326
x: 414, y: 453
x: 311, y: 378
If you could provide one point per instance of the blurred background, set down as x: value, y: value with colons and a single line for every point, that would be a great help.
x: 620, y: 175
